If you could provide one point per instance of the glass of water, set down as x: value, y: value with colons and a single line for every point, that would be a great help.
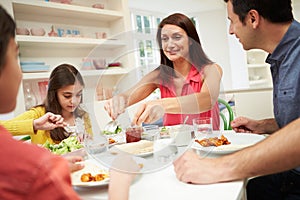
x: 96, y: 144
x: 202, y: 126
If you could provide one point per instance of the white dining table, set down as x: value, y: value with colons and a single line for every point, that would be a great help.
x: 163, y: 184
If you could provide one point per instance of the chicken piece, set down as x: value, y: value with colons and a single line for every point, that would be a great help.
x: 86, y: 177
x: 215, y: 141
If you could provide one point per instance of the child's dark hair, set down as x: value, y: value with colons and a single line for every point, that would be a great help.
x: 8, y: 28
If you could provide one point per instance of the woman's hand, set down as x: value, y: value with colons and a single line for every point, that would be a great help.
x: 115, y: 106
x: 149, y: 112
x: 49, y: 121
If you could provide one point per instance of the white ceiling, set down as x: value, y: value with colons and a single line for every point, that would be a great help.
x: 171, y: 6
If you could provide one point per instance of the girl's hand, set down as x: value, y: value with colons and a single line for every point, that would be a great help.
x: 73, y: 165
x: 49, y: 121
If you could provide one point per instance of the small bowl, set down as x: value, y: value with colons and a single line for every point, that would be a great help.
x: 99, y: 63
x: 38, y: 31
x: 62, y: 1
x: 101, y: 35
x: 98, y: 5
x: 22, y: 31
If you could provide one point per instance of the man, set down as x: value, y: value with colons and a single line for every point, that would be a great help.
x: 27, y: 171
x: 267, y: 25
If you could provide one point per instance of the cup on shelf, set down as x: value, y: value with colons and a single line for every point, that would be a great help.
x: 99, y: 63
x: 22, y: 31
x: 37, y: 31
x: 101, y: 35
x: 98, y: 5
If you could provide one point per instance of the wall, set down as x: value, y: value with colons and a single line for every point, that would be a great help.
x: 214, y: 40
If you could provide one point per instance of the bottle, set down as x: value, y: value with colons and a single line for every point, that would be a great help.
x: 30, y: 99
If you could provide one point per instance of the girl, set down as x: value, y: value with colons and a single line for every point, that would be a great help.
x: 64, y: 96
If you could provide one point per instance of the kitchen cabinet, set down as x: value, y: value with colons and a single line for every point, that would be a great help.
x: 87, y: 23
x: 255, y: 103
x: 259, y: 73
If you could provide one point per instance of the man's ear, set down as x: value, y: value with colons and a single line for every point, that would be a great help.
x: 254, y: 18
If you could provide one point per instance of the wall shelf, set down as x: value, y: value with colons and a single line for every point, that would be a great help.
x: 113, y: 20
x: 67, y: 42
x: 262, y: 65
x: 106, y: 72
x: 54, y: 10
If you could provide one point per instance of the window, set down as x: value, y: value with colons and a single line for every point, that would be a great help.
x: 147, y: 52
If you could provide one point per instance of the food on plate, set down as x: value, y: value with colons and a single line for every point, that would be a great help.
x: 88, y: 177
x: 164, y: 132
x: 118, y: 130
x: 213, y: 141
x: 111, y: 141
x: 141, y: 165
x: 65, y: 146
x: 143, y: 146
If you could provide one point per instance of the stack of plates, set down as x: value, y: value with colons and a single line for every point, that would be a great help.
x: 32, y: 66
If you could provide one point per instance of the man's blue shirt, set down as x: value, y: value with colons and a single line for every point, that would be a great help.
x: 285, y: 69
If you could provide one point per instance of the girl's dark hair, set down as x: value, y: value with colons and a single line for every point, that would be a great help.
x: 197, y: 56
x: 276, y: 11
x: 8, y: 28
x: 63, y: 75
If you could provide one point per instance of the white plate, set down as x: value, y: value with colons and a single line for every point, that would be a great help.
x: 93, y: 168
x: 238, y: 142
x: 141, y: 148
x: 119, y: 139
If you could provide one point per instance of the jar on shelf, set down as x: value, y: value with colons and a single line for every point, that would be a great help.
x: 30, y: 99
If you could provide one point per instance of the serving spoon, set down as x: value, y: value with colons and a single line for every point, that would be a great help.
x: 111, y: 126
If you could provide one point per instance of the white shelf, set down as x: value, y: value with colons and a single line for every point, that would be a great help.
x: 57, y: 10
x: 262, y: 65
x: 72, y: 42
x: 113, y: 20
x: 108, y: 71
x: 258, y: 82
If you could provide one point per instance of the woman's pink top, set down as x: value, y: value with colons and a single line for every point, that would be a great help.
x: 193, y: 84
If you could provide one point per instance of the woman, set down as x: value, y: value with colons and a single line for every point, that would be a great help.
x: 64, y: 96
x: 188, y: 80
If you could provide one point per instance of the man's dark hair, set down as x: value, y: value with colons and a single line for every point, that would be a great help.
x: 276, y: 11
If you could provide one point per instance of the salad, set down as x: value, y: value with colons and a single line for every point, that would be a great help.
x: 118, y: 130
x: 65, y: 146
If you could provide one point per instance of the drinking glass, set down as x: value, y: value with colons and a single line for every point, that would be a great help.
x: 151, y: 132
x: 96, y: 144
x: 202, y: 125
